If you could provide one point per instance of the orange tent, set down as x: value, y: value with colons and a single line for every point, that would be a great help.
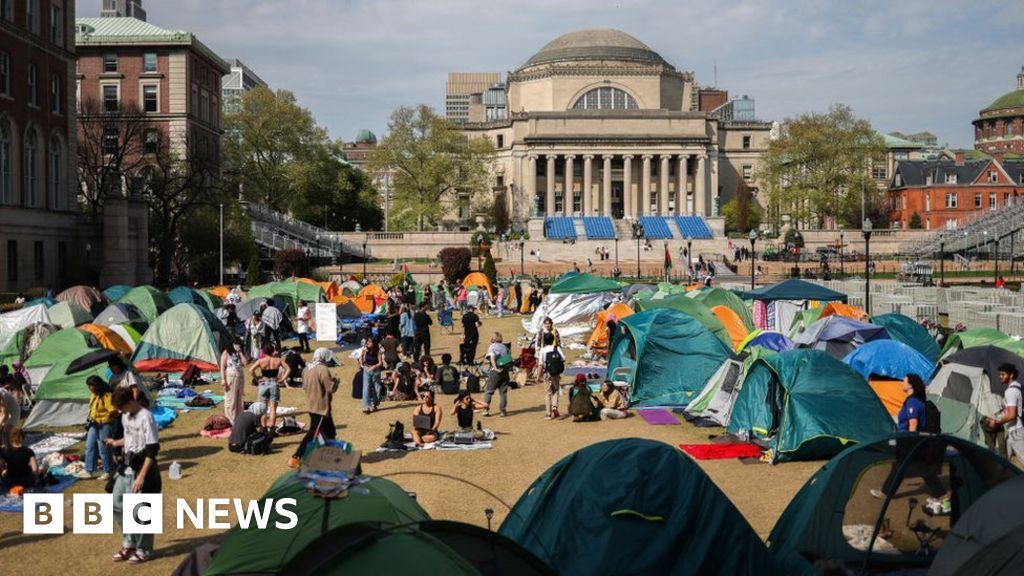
x: 845, y: 310
x: 108, y: 338
x: 693, y: 287
x: 478, y: 279
x: 370, y: 297
x: 733, y: 324
x: 330, y: 288
x: 599, y: 341
x: 220, y: 291
x: 890, y: 392
x: 339, y: 299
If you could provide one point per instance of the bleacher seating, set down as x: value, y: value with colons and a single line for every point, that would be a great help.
x: 599, y: 227
x: 694, y: 227
x: 559, y: 228
x: 656, y: 227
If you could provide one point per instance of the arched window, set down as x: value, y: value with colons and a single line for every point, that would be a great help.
x: 6, y: 186
x: 31, y: 168
x: 56, y: 174
x: 605, y: 98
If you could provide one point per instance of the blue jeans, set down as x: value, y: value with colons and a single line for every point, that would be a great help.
x: 371, y: 381
x: 94, y: 441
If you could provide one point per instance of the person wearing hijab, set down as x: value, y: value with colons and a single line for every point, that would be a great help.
x: 320, y: 386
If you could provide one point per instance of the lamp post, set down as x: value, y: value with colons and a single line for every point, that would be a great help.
x: 617, y: 271
x: 996, y: 277
x: 522, y: 257
x: 942, y: 262
x: 317, y: 256
x: 842, y: 267
x: 753, y: 256
x: 365, y: 238
x: 867, y: 265
x: 638, y: 233
x: 665, y: 264
x: 222, y: 244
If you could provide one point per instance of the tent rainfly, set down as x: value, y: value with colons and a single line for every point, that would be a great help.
x: 185, y: 334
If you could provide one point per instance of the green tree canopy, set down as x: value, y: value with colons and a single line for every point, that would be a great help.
x: 436, y: 167
x: 742, y: 213
x: 333, y: 194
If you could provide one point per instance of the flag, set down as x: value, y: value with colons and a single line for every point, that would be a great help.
x: 668, y: 259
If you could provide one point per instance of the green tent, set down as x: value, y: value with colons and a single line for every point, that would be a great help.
x: 634, y: 506
x: 656, y: 345
x: 807, y: 405
x: 185, y: 334
x: 584, y: 284
x: 61, y: 397
x: 268, y: 551
x: 149, y: 301
x: 688, y: 305
x: 803, y: 319
x: 904, y: 329
x: 290, y: 292
x: 201, y: 297
x: 25, y: 341
x: 835, y: 521
x: 795, y: 289
x: 115, y: 292
x: 970, y: 339
x: 68, y: 315
x: 712, y: 297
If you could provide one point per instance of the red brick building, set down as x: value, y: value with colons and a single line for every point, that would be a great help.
x: 1000, y: 126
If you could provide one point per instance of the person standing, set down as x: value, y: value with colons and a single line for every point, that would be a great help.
x: 272, y: 319
x: 141, y: 473
x: 1009, y: 418
x: 273, y: 374
x: 232, y: 368
x: 256, y: 335
x: 10, y: 411
x: 407, y: 329
x: 370, y: 360
x: 320, y: 386
x: 498, y: 379
x: 124, y: 377
x: 302, y: 319
x: 101, y: 421
x: 471, y: 335
x: 421, y: 338
x: 518, y: 288
x: 552, y: 364
x: 501, y: 300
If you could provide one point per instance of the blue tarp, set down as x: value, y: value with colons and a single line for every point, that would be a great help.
x: 890, y: 359
x: 775, y: 341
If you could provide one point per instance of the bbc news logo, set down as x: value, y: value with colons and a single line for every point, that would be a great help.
x: 144, y: 513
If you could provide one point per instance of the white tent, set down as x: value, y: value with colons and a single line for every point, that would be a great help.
x: 715, y: 401
x: 571, y: 313
x: 11, y: 322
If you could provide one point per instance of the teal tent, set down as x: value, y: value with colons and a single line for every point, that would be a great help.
x: 807, y: 405
x: 114, y: 293
x: 904, y: 329
x: 982, y: 541
x: 668, y: 355
x: 691, y: 307
x: 149, y: 301
x: 201, y: 297
x: 835, y: 521
x: 584, y: 284
x: 634, y: 506
x: 794, y: 289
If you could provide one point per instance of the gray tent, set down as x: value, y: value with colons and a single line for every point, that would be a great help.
x: 982, y: 541
x: 714, y: 403
x: 633, y: 289
x: 246, y: 309
x: 348, y: 310
x: 838, y: 335
x: 119, y: 313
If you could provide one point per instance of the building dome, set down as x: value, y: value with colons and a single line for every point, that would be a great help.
x: 1009, y: 100
x: 365, y: 136
x: 595, y: 44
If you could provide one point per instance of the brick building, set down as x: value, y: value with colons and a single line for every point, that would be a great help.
x: 1000, y: 126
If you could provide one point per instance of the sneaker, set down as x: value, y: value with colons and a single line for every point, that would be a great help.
x: 487, y: 412
x: 877, y: 494
x: 547, y: 416
x: 138, y: 557
x: 103, y: 477
x: 503, y: 414
x: 294, y: 462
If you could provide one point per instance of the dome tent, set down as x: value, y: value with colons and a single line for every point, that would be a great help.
x: 988, y: 540
x: 115, y: 292
x: 712, y: 297
x: 67, y: 314
x: 149, y: 301
x: 185, y: 334
x: 905, y: 329
x: 200, y: 297
x: 61, y: 396
x: 573, y: 303
x: 13, y: 321
x: 108, y: 338
x: 767, y: 339
x: 658, y: 513
x: 693, y: 308
x: 838, y: 335
x: 88, y: 298
x: 290, y: 293
x: 25, y: 341
x: 970, y: 339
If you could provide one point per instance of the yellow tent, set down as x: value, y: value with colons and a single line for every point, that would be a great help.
x: 890, y: 392
x: 599, y: 340
x: 846, y: 310
x: 478, y: 279
x: 733, y: 324
x: 108, y: 338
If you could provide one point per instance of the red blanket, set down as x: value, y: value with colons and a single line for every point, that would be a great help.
x: 721, y: 451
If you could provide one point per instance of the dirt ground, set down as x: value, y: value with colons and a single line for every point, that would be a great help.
x: 449, y: 485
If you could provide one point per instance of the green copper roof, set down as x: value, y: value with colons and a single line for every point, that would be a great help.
x: 131, y: 31
x: 897, y: 142
x: 1008, y: 100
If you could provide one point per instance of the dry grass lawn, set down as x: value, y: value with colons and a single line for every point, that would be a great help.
x: 449, y: 485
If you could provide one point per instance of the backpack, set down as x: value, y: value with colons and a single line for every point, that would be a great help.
x: 217, y: 422
x: 473, y: 383
x: 258, y: 443
x: 932, y: 418
x: 449, y: 380
x: 395, y: 438
x: 554, y: 364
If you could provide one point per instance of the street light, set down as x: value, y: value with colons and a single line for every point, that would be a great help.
x: 222, y: 244
x: 617, y: 272
x: 996, y: 278
x: 753, y: 256
x: 317, y: 257
x: 638, y: 233
x: 365, y: 238
x: 522, y: 257
x: 689, y: 254
x: 842, y: 267
x: 942, y: 262
x: 867, y: 265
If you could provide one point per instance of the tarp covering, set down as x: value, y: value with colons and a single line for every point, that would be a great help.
x: 68, y: 315
x: 634, y: 506
x: 976, y: 537
x: 584, y: 284
x: 149, y: 301
x: 890, y: 359
x: 11, y: 322
x: 807, y: 405
x: 795, y: 289
x: 838, y: 335
x: 688, y: 305
x: 768, y: 339
x: 185, y: 334
x: 88, y: 298
x: 571, y: 313
x: 712, y: 297
x: 656, y: 345
x: 905, y: 329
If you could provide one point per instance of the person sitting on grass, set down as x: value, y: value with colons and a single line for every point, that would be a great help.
x: 401, y: 383
x: 581, y: 401
x: 21, y: 468
x: 611, y: 402
x: 426, y: 420
x: 446, y: 375
x: 295, y: 367
x: 463, y: 409
x: 425, y: 371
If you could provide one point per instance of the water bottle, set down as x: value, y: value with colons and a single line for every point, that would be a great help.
x: 175, y: 471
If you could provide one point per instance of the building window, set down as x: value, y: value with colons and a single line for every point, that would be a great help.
x: 951, y: 178
x: 901, y: 156
x: 746, y: 142
x: 992, y: 201
x: 605, y: 98
x: 31, y: 168
x: 748, y: 172
x: 950, y: 199
x: 111, y: 140
x: 56, y: 25
x: 31, y: 16
x: 110, y: 62
x: 927, y: 202
x: 149, y: 62
x: 149, y: 98
x: 37, y: 259
x: 501, y: 140
x: 110, y: 98
x: 977, y: 200
x: 55, y: 94
x: 1009, y: 129
x: 951, y: 223
x: 56, y: 174
x: 1006, y: 199
x: 993, y: 176
x: 33, y: 85
x: 5, y: 9
x: 12, y: 260
x: 62, y: 261
x: 5, y: 73
x: 878, y: 171
x: 151, y: 140
x: 6, y: 186
x: 204, y: 107
x: 898, y: 180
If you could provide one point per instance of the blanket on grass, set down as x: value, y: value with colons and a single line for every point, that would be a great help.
x: 721, y: 451
x: 43, y: 443
x: 17, y: 504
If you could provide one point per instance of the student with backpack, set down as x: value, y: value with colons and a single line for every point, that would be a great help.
x: 447, y: 376
x: 499, y: 362
x: 552, y: 364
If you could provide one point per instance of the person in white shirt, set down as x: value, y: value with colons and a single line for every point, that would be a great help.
x: 1010, y: 416
x: 551, y: 373
x: 302, y: 319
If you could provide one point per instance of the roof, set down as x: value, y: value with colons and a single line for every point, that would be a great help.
x: 1008, y: 100
x: 595, y: 44
x: 897, y: 142
x: 131, y: 31
x: 916, y: 172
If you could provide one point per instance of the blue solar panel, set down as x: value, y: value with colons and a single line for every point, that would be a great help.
x: 655, y: 227
x: 559, y: 228
x: 694, y: 227
x: 599, y: 227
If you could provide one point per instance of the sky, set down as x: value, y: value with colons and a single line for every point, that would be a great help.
x: 906, y: 65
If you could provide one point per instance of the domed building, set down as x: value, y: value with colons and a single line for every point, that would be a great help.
x: 600, y: 124
x: 1000, y: 126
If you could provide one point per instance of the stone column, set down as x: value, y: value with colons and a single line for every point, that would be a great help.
x: 663, y: 185
x: 530, y: 183
x: 645, y: 186
x: 606, y: 186
x: 628, y: 201
x: 549, y: 180
x: 588, y: 183
x: 713, y: 201
x: 700, y: 186
x: 681, y: 186
x: 567, y: 193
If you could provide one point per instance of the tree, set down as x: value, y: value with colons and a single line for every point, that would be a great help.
x: 915, y: 221
x: 742, y: 213
x: 818, y: 168
x: 199, y: 246
x: 436, y: 167
x: 291, y: 262
x: 455, y: 263
x: 333, y: 194
x: 500, y: 212
x: 490, y: 270
x: 110, y: 147
x: 252, y: 271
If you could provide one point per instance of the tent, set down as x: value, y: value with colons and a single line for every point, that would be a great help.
x: 88, y: 298
x: 714, y: 403
x: 109, y: 339
x: 149, y: 301
x: 688, y: 305
x: 121, y: 314
x: 802, y: 319
x: 835, y: 522
x: 290, y: 293
x: 584, y: 284
x: 890, y: 359
x: 13, y: 321
x: 732, y: 323
x: 349, y: 310
x: 268, y: 551
x: 838, y: 335
x: 349, y: 288
x: 201, y: 297
x: 246, y: 309
x: 370, y: 298
x: 806, y: 405
x: 115, y: 292
x: 795, y: 289
x: 767, y: 339
x: 844, y: 310
x: 599, y: 339
x: 25, y: 341
x: 128, y: 334
x: 478, y: 279
x: 655, y: 348
x: 904, y: 329
x: 185, y: 334
x: 220, y: 291
x: 633, y: 289
x: 981, y: 542
x: 712, y: 297
x: 634, y: 506
x: 44, y: 300
x: 574, y: 310
x: 970, y: 339
x: 330, y: 288
x: 68, y: 315
x: 61, y: 397
x: 966, y: 387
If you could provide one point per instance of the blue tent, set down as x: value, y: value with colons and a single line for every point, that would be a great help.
x: 889, y: 359
x: 769, y: 340
x: 911, y: 333
x: 114, y: 293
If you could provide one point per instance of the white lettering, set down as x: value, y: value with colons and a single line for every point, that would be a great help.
x: 281, y: 506
x: 194, y: 516
x: 245, y: 515
x: 217, y: 508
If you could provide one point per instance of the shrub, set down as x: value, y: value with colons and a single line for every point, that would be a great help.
x: 455, y: 263
x: 915, y: 221
x: 292, y: 261
x: 794, y: 238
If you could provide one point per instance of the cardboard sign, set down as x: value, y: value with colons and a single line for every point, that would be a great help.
x: 326, y: 317
x: 333, y: 459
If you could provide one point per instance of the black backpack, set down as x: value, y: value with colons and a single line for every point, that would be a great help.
x: 932, y: 418
x: 473, y: 383
x: 258, y: 443
x: 449, y: 380
x: 395, y: 439
x: 554, y: 364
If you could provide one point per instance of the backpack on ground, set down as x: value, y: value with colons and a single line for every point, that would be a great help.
x: 449, y: 380
x: 395, y: 438
x: 473, y: 382
x: 257, y: 443
x: 554, y: 364
x: 932, y: 418
x: 357, y: 385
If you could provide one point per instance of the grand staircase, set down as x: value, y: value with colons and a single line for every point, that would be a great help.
x: 275, y: 231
